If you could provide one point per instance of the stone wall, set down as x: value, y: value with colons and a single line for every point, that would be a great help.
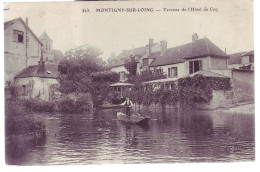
x: 242, y: 82
x: 220, y: 99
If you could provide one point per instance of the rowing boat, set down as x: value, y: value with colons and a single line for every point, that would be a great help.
x: 133, y: 119
x: 110, y: 106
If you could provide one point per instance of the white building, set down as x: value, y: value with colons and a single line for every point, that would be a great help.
x: 22, y: 47
x: 175, y: 62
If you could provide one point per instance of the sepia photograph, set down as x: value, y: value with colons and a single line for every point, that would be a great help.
x: 129, y: 82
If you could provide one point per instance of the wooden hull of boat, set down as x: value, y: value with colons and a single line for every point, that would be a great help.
x: 133, y: 119
x: 110, y: 106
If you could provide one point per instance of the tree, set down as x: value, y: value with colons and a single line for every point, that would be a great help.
x: 77, y: 67
x: 131, y: 66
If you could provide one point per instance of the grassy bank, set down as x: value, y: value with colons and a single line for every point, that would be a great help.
x: 240, y: 108
x: 68, y: 103
x: 18, y: 120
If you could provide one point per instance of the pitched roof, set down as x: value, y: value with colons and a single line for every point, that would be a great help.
x: 49, y: 71
x: 45, y: 36
x: 208, y: 74
x: 249, y: 53
x: 235, y: 58
x: 9, y: 23
x: 140, y: 51
x: 199, y: 48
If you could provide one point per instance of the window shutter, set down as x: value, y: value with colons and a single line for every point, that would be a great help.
x: 175, y: 72
x: 191, y: 67
x: 169, y: 72
x: 200, y: 64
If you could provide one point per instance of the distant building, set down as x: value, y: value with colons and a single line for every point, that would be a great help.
x: 176, y: 62
x: 234, y: 61
x: 142, y: 55
x: 242, y: 60
x: 248, y: 60
x: 22, y: 47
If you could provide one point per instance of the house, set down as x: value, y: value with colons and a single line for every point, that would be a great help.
x: 36, y: 81
x: 242, y: 60
x: 22, y: 47
x: 247, y: 60
x: 175, y: 62
x: 183, y: 60
x: 141, y: 55
x: 234, y: 61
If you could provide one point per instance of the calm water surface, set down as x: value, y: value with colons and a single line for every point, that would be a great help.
x: 171, y: 136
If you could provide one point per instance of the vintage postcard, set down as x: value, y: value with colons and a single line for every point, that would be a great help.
x: 129, y: 82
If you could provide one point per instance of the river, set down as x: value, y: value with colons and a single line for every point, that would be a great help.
x: 171, y: 136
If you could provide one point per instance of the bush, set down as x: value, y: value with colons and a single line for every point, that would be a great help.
x: 38, y: 105
x: 67, y: 105
x: 84, y: 103
x: 18, y: 120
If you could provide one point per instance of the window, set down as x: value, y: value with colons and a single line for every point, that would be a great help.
x: 251, y: 59
x: 172, y: 72
x: 145, y: 62
x: 17, y: 36
x: 24, y: 90
x: 195, y: 66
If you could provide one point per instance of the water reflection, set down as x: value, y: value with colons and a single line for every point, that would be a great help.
x: 171, y: 136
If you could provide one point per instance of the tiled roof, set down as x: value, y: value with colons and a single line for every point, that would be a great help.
x: 154, y: 55
x: 8, y: 23
x: 45, y: 36
x: 136, y: 51
x: 49, y: 71
x: 235, y: 58
x: 249, y: 53
x: 140, y: 51
x: 199, y: 48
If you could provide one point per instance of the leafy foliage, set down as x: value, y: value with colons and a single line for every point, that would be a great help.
x: 131, y: 66
x: 67, y: 105
x: 100, y: 92
x: 37, y: 105
x: 77, y: 67
x: 187, y: 91
x: 18, y: 120
x: 105, y: 76
x: 84, y: 103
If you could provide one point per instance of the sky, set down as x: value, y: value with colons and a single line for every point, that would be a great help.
x: 230, y: 28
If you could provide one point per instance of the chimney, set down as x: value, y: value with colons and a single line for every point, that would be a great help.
x: 163, y: 45
x: 150, y: 41
x: 195, y: 37
x: 27, y: 21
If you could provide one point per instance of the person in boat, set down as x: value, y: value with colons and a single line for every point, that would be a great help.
x: 128, y: 104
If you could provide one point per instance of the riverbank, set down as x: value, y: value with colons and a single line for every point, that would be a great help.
x: 240, y: 108
x: 20, y: 121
